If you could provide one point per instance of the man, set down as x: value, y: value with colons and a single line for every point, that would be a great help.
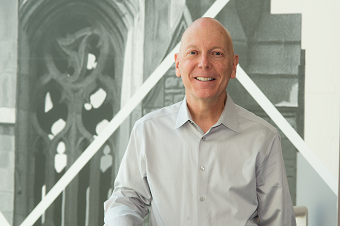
x: 203, y: 161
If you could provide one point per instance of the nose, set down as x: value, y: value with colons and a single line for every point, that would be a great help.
x: 204, y: 62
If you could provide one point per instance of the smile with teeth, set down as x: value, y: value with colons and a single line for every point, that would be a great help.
x: 203, y: 79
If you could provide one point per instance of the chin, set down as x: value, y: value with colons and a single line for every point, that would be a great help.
x: 210, y: 96
x: 205, y: 96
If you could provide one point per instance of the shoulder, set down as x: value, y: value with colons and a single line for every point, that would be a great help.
x: 165, y: 114
x: 248, y: 120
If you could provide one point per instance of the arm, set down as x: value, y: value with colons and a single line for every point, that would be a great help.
x: 275, y: 205
x: 128, y: 204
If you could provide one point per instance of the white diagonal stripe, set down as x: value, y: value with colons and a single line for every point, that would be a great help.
x: 215, y: 8
x: 287, y: 129
x: 3, y: 220
x: 101, y: 139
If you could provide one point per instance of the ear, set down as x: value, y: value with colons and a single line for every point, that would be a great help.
x: 235, y: 63
x: 178, y: 72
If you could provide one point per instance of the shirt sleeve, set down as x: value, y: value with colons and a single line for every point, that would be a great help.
x: 131, y: 197
x: 274, y: 202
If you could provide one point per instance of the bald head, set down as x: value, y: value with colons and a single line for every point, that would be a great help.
x: 206, y: 62
x: 210, y: 25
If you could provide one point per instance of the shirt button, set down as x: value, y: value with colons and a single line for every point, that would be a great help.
x: 202, y: 168
x: 202, y: 199
x: 203, y: 138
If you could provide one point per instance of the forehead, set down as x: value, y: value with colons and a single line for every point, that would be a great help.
x: 205, y: 35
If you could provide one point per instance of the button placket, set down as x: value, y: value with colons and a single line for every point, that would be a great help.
x: 202, y: 186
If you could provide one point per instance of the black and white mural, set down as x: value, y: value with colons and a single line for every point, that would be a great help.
x: 79, y: 62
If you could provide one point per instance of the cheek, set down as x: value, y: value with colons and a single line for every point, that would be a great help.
x: 225, y: 71
x: 187, y: 66
x: 220, y: 67
x: 185, y: 80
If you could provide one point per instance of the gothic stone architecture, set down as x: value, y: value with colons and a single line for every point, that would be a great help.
x: 68, y: 66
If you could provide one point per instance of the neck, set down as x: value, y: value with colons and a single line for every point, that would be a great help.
x: 205, y: 113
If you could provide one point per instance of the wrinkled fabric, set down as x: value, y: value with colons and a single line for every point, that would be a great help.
x: 233, y: 174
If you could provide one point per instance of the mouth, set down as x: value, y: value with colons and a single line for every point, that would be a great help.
x: 204, y: 79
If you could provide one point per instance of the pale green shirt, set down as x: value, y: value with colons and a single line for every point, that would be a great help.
x: 233, y: 174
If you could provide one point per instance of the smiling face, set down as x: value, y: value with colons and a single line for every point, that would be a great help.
x: 206, y: 61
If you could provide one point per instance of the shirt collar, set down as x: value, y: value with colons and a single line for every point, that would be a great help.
x: 228, y: 117
x: 183, y: 114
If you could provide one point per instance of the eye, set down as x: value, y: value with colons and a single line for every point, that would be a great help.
x: 192, y: 52
x: 218, y: 54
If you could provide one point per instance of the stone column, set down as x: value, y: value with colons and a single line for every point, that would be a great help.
x: 8, y: 75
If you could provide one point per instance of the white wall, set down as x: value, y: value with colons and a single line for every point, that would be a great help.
x: 321, y: 40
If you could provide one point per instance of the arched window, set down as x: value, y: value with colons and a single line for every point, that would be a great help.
x: 71, y: 58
